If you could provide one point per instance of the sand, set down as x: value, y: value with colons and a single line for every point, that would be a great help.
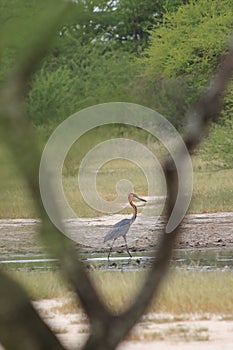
x: 19, y: 236
x: 156, y: 331
x: 190, y: 332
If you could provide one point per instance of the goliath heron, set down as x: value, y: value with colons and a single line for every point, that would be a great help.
x: 121, y: 228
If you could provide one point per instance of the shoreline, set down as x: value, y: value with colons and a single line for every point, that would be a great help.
x: 210, y: 230
x: 154, y: 330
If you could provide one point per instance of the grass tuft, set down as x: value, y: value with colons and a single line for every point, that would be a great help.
x: 187, y: 334
x: 69, y: 307
x: 42, y: 285
x: 146, y: 336
x: 212, y: 190
x: 183, y: 292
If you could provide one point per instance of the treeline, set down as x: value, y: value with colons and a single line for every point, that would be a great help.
x: 94, y: 58
x: 158, y: 53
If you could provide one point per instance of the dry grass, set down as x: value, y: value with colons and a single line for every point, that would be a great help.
x: 191, y: 292
x: 183, y: 292
x: 179, y: 332
x: 106, y: 180
x: 59, y: 330
x: 117, y: 289
x: 146, y: 336
x: 161, y: 318
x: 184, y: 333
x: 185, y: 296
x: 213, y: 191
x: 69, y: 307
x: 227, y: 318
x: 42, y: 285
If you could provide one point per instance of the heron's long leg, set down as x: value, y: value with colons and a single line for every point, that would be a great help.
x: 127, y: 247
x: 111, y: 249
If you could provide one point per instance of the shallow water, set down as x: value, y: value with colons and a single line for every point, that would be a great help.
x: 209, y: 235
x: 190, y: 259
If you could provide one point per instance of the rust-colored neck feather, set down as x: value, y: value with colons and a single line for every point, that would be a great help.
x: 134, y: 209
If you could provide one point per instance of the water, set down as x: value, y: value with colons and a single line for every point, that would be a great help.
x: 203, y: 259
x: 28, y: 262
x: 190, y: 259
x: 18, y: 237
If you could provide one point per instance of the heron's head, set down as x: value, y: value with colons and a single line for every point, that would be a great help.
x: 131, y: 196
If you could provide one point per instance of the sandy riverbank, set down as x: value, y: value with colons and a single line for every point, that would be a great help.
x: 155, y: 331
x: 187, y: 332
x: 19, y: 236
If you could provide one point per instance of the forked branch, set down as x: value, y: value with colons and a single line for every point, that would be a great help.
x: 107, y: 329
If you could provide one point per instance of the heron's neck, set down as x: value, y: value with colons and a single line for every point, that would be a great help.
x: 134, y: 210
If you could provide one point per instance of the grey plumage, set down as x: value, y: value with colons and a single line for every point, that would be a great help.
x: 121, y: 228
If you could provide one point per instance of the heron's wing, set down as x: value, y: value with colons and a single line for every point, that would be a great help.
x: 118, y: 230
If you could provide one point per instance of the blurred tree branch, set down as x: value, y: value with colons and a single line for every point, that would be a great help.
x: 17, y: 315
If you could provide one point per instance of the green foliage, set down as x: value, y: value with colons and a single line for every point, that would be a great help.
x: 6, y: 61
x: 123, y: 23
x: 184, y: 51
x: 172, y: 5
x: 20, y: 22
x: 93, y: 58
x: 218, y: 146
x: 189, y: 42
x: 167, y: 96
x: 51, y: 96
x: 135, y: 20
x: 67, y: 83
x: 15, y: 18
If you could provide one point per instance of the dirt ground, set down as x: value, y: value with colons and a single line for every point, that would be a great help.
x: 19, y: 236
x: 155, y: 331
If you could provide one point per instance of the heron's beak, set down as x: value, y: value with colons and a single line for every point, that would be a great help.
x: 140, y: 199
